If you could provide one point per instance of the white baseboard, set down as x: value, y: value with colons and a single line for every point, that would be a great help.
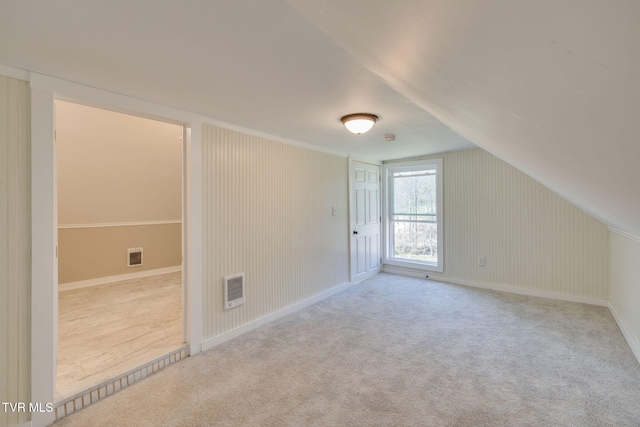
x: 523, y: 291
x: 110, y: 279
x: 234, y: 333
x: 502, y: 288
x: 626, y: 332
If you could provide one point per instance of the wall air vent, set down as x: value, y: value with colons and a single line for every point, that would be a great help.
x: 233, y: 290
x: 134, y: 257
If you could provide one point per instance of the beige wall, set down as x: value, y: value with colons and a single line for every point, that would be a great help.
x: 15, y: 246
x: 89, y: 253
x: 625, y: 283
x: 531, y: 238
x: 267, y: 213
x: 116, y: 168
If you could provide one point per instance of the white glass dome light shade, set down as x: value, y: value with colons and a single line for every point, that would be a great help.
x: 359, y: 123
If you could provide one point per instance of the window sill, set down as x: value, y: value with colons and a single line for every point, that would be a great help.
x: 415, y: 265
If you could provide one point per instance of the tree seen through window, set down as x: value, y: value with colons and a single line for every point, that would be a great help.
x: 414, y: 215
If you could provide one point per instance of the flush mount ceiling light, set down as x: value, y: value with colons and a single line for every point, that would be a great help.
x: 359, y: 123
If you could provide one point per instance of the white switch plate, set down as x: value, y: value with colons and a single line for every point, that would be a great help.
x: 480, y: 261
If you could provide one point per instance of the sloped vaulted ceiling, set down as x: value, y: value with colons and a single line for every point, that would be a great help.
x: 551, y: 87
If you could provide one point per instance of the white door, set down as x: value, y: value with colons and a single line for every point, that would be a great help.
x: 365, y: 220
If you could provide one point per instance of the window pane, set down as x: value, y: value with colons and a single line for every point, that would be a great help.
x: 414, y: 194
x: 415, y: 241
x: 414, y: 233
x: 414, y: 215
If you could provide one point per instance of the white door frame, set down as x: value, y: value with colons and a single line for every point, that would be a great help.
x: 44, y: 269
x: 352, y: 215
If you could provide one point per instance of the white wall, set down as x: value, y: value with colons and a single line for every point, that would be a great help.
x: 625, y: 286
x: 267, y: 213
x: 15, y: 246
x: 534, y: 241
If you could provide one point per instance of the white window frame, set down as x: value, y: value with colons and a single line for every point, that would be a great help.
x: 387, y: 170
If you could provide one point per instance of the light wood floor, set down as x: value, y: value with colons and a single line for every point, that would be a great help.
x: 106, y: 330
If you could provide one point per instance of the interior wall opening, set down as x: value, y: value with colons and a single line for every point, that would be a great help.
x: 120, y: 243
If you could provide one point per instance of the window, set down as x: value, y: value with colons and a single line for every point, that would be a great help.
x: 413, y: 214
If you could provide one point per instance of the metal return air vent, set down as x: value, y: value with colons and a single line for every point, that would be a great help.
x: 134, y: 257
x: 233, y: 290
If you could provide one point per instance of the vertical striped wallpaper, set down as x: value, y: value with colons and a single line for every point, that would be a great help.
x: 531, y: 238
x: 15, y: 246
x: 625, y: 281
x: 267, y: 213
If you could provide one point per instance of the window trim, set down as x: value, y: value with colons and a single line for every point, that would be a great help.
x: 387, y: 170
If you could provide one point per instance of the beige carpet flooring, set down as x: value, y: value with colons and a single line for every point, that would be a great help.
x: 397, y: 351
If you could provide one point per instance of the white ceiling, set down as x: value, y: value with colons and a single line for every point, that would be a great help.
x: 550, y: 87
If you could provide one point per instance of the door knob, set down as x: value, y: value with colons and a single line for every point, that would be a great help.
x: 355, y: 232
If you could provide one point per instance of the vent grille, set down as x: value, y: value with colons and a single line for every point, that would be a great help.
x: 134, y: 257
x: 233, y: 290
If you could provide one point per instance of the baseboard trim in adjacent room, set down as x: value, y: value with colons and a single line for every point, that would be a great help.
x: 234, y: 333
x: 502, y: 288
x: 110, y: 279
x: 626, y: 332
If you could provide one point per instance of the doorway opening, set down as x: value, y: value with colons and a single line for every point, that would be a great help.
x: 120, y: 215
